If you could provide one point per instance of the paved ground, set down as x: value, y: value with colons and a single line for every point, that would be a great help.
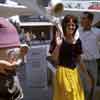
x: 33, y: 93
x: 37, y: 94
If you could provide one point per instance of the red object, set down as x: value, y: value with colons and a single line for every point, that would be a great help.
x: 97, y: 7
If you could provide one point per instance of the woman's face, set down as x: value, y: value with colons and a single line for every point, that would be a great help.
x: 70, y: 28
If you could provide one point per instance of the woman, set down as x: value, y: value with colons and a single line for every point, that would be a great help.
x: 67, y: 84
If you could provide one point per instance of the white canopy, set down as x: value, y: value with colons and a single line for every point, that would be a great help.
x: 12, y: 10
x: 35, y: 24
x: 31, y: 7
x: 34, y: 6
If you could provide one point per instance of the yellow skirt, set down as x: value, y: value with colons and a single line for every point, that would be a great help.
x: 67, y: 85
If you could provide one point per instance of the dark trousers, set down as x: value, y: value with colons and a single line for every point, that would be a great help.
x: 10, y: 88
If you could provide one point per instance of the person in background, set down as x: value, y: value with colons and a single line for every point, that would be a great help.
x: 11, y: 54
x: 27, y: 38
x: 90, y: 37
x: 22, y: 35
x: 42, y: 36
x: 67, y: 83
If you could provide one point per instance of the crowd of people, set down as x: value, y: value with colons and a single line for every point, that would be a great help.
x: 76, y: 70
x: 29, y: 37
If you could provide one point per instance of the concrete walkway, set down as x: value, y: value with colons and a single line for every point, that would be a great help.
x: 30, y: 92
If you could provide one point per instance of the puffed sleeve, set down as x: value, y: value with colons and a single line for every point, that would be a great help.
x: 79, y: 47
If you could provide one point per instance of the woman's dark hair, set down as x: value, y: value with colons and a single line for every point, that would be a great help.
x: 67, y: 19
